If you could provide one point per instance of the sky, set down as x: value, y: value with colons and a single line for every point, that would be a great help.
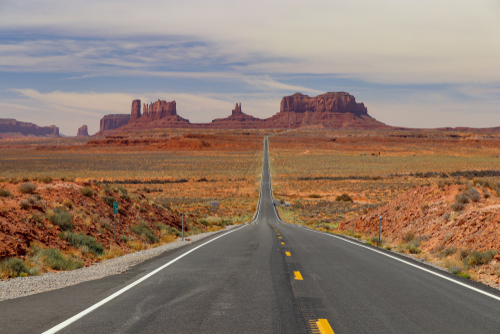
x: 413, y: 63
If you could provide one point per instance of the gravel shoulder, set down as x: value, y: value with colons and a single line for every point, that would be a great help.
x: 25, y: 286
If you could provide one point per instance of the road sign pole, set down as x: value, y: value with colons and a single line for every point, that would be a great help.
x: 115, y: 229
x: 380, y: 231
x: 182, y: 227
x: 115, y: 212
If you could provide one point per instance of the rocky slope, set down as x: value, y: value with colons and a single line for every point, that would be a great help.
x: 13, y: 128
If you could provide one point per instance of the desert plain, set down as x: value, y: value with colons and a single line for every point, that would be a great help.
x: 436, y: 191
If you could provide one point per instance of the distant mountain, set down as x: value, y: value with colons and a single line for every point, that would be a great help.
x: 13, y: 128
x: 328, y: 111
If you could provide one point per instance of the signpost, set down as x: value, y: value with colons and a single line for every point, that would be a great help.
x: 115, y: 212
x: 214, y: 204
x: 182, y: 227
x: 379, y: 231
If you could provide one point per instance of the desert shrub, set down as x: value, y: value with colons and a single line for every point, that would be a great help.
x: 109, y: 200
x: 225, y: 222
x: 446, y: 216
x: 78, y: 240
x: 24, y: 204
x: 61, y: 218
x: 374, y: 240
x: 124, y: 238
x: 477, y: 258
x: 413, y: 249
x: 34, y: 199
x: 145, y: 232
x: 463, y: 274
x: 315, y: 196
x: 473, y: 194
x: 54, y: 259
x: 388, y: 248
x: 204, y: 222
x: 14, y: 180
x: 454, y: 270
x: 486, y: 194
x: 27, y: 188
x: 449, y: 251
x: 105, y: 223
x: 136, y: 244
x: 5, y: 193
x: 343, y: 198
x: 68, y: 204
x: 86, y: 191
x: 13, y: 267
x: 457, y: 206
x: 463, y: 253
x: 409, y: 236
x: 43, y: 179
x: 424, y: 207
x: 112, y: 253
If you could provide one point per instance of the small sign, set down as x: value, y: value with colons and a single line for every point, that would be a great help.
x: 287, y: 205
x: 115, y: 208
x: 214, y: 203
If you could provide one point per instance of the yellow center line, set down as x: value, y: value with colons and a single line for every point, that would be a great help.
x: 282, y: 243
x: 280, y: 237
x: 324, y: 327
x: 298, y: 276
x: 288, y: 254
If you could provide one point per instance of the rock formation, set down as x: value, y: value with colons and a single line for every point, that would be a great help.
x: 111, y: 122
x: 15, y: 128
x: 329, y: 102
x: 329, y: 111
x: 83, y: 131
x: 136, y: 109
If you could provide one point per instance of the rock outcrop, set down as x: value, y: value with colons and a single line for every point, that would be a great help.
x: 13, y: 127
x: 83, y: 131
x: 112, y: 122
x: 329, y: 111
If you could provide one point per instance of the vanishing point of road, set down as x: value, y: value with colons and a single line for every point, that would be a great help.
x: 267, y: 276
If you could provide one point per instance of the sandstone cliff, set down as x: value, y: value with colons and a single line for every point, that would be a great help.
x: 12, y: 127
x: 83, y: 131
x: 329, y: 111
x: 112, y: 122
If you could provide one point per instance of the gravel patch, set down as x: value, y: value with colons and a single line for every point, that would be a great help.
x: 25, y: 286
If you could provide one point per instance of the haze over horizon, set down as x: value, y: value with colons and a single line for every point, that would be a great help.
x: 413, y: 63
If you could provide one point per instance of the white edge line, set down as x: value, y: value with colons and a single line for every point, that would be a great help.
x: 128, y: 287
x: 406, y: 262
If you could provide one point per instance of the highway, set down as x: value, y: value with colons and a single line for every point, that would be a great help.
x: 267, y: 276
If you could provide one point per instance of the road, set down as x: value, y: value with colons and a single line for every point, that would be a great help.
x: 264, y: 277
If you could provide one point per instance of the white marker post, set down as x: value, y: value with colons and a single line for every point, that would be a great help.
x: 380, y: 231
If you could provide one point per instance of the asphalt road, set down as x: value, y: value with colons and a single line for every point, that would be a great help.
x: 264, y: 277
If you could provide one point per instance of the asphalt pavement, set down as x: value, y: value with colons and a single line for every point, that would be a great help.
x: 264, y: 277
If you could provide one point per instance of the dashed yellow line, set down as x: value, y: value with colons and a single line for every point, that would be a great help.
x: 280, y: 237
x: 324, y: 327
x: 298, y: 276
x: 282, y: 243
x: 288, y: 254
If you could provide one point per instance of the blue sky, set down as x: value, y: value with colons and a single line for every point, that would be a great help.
x: 413, y: 63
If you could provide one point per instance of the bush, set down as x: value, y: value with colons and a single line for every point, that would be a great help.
x: 86, y: 191
x: 449, y: 251
x: 463, y: 274
x: 34, y: 199
x: 13, y: 267
x: 454, y: 270
x: 204, y: 222
x: 315, y: 196
x: 473, y: 194
x: 109, y: 200
x: 408, y: 237
x: 343, y: 198
x: 5, y: 193
x: 24, y: 204
x: 78, y: 240
x: 486, y: 194
x: 145, y: 232
x: 476, y: 258
x: 27, y: 188
x: 61, y: 218
x: 43, y: 179
x: 413, y: 249
x: 54, y: 259
x: 124, y: 238
x: 68, y: 204
x: 457, y: 206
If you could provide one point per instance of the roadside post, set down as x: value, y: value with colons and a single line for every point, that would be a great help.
x: 182, y: 227
x: 115, y: 212
x: 214, y: 204
x: 379, y: 231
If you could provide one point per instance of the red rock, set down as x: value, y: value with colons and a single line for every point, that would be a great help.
x: 111, y: 122
x: 328, y: 102
x: 136, y: 109
x: 83, y: 131
x: 13, y: 127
